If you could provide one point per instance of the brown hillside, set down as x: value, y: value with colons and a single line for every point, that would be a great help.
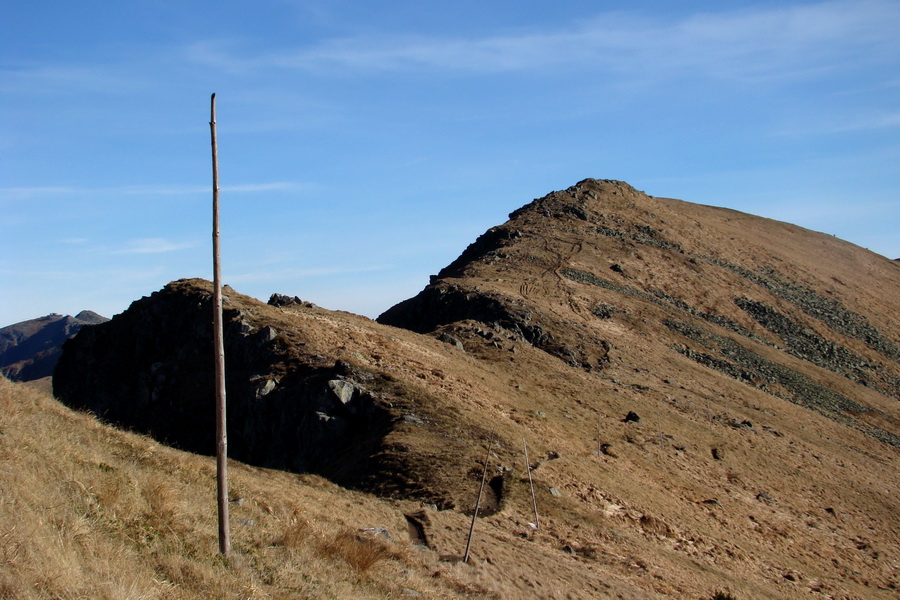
x: 760, y: 361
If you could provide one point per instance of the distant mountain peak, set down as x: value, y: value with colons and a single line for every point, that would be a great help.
x: 90, y: 317
x: 30, y: 349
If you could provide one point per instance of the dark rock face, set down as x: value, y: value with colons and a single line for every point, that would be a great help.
x: 488, y: 244
x: 30, y: 350
x: 804, y: 343
x: 281, y: 300
x: 444, y: 304
x: 151, y: 369
x: 731, y: 358
x: 294, y: 402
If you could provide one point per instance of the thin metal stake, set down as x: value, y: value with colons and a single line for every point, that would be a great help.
x: 478, y: 500
x: 537, y: 523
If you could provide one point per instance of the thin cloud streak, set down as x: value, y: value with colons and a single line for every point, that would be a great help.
x: 873, y: 122
x: 31, y: 79
x: 290, y: 274
x: 275, y: 186
x: 27, y: 193
x: 36, y: 192
x: 187, y: 190
x: 746, y: 45
x: 153, y: 246
x: 814, y: 212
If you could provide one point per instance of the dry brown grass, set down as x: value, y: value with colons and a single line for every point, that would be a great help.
x: 359, y: 552
x: 87, y: 511
x: 295, y: 534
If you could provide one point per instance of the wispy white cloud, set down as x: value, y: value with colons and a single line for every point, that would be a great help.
x: 153, y: 246
x: 750, y: 44
x: 289, y: 274
x: 33, y: 192
x: 853, y: 123
x: 813, y: 212
x: 275, y: 186
x: 37, y: 78
x: 37, y: 192
x: 155, y: 190
x: 188, y: 190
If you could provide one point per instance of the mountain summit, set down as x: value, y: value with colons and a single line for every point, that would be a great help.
x: 708, y: 398
x: 602, y: 267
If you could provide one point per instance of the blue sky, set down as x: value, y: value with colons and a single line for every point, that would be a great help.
x: 363, y: 145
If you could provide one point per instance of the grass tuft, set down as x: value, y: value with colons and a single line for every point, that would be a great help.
x: 359, y: 552
x: 295, y: 534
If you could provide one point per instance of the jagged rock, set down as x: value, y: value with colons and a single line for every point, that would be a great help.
x: 618, y: 269
x: 449, y: 339
x: 764, y: 497
x: 265, y: 388
x: 343, y: 390
x: 281, y: 300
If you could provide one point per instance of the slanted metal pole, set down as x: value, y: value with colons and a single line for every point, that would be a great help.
x: 219, y: 350
x: 537, y: 523
x: 478, y: 500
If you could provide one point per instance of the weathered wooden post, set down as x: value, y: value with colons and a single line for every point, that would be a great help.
x: 219, y: 351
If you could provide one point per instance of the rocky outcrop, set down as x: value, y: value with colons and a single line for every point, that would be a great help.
x: 446, y: 304
x: 151, y: 369
x: 295, y: 400
x: 30, y: 350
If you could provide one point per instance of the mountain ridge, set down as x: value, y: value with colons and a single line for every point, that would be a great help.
x: 709, y: 398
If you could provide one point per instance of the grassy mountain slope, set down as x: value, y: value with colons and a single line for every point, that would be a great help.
x: 758, y: 360
x: 88, y: 511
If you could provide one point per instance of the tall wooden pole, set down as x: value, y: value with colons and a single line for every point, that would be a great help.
x: 219, y: 349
